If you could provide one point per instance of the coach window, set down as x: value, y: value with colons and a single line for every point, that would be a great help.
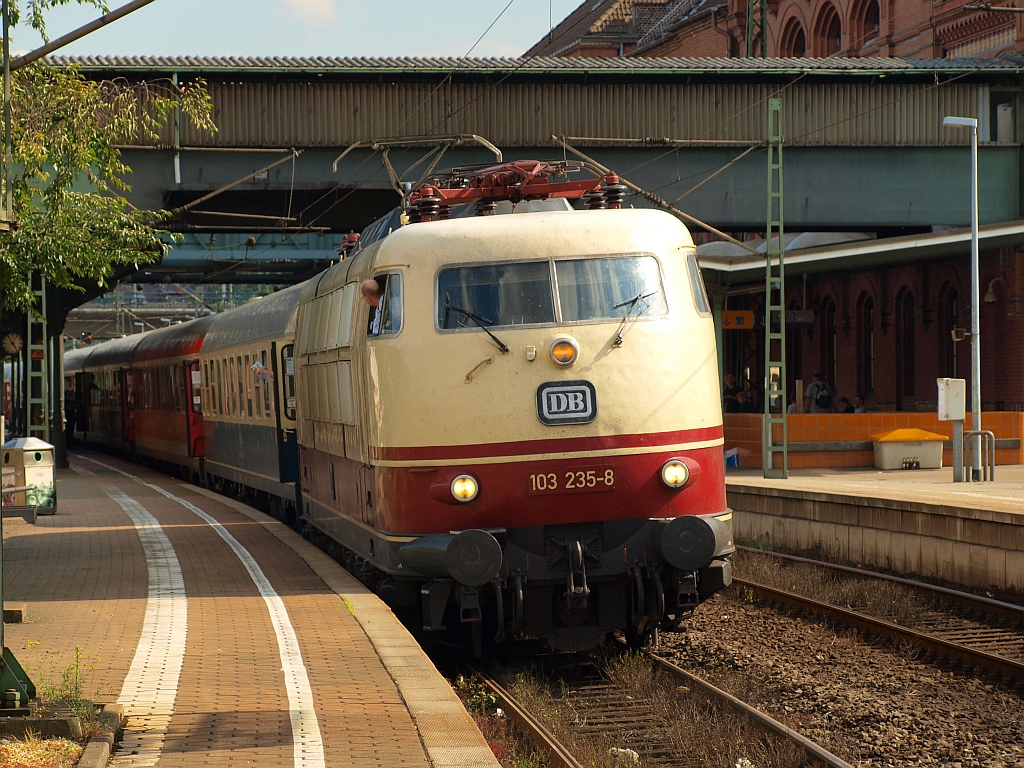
x: 386, y: 320
x: 248, y: 386
x: 240, y: 384
x: 129, y: 385
x: 233, y: 388
x: 266, y: 383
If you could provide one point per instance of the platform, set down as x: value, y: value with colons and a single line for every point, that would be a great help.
x: 229, y: 639
x: 917, y: 522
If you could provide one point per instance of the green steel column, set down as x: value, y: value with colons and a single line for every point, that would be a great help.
x: 757, y: 29
x: 775, y: 402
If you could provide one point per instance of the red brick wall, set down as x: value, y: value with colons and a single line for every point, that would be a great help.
x: 907, y: 28
x: 697, y: 39
x: 1002, y: 330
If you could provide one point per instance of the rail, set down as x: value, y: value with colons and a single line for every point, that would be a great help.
x: 762, y: 719
x: 560, y: 756
x: 530, y: 726
x: 956, y: 652
x: 988, y: 454
x: 1008, y: 611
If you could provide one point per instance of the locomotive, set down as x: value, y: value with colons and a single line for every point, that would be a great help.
x: 501, y: 412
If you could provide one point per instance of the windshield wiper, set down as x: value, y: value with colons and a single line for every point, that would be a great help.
x: 633, y: 304
x: 482, y: 322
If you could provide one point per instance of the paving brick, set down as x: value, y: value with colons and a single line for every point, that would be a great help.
x: 83, y: 575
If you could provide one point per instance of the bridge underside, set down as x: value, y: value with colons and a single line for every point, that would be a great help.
x: 287, y: 227
x: 885, y: 189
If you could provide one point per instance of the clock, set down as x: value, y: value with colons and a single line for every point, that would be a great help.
x: 11, y: 343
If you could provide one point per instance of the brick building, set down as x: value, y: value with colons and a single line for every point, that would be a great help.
x: 885, y: 332
x: 817, y: 28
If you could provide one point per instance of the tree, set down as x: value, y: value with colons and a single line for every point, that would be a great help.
x: 74, y: 224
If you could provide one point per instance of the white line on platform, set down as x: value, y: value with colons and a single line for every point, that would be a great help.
x: 152, y: 680
x: 307, y: 743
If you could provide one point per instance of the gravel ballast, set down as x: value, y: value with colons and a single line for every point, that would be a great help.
x: 872, y: 704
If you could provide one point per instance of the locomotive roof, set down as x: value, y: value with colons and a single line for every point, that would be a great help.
x: 265, y: 318
x: 627, y: 230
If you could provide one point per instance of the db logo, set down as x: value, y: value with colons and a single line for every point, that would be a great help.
x: 567, y: 402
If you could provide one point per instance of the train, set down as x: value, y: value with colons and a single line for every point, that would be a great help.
x: 500, y: 411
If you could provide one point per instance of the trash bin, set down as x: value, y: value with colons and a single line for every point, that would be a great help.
x: 32, y: 462
x: 908, y: 449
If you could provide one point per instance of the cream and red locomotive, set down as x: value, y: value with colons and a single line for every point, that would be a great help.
x: 525, y: 436
x: 520, y: 432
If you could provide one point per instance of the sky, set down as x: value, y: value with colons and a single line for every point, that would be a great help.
x: 307, y: 28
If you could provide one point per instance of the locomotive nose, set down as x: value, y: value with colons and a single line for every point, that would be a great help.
x: 690, y: 542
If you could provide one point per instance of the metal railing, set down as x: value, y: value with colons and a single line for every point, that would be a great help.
x: 988, y: 454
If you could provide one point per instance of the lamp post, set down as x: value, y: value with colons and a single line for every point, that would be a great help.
x: 972, y: 123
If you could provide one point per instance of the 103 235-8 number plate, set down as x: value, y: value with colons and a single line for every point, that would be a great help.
x: 593, y: 478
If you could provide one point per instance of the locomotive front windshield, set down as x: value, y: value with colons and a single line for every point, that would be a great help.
x: 524, y: 293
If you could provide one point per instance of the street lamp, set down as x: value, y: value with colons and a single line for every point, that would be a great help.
x: 972, y: 123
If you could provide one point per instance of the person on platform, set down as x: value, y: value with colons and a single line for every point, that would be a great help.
x: 793, y: 407
x: 844, y: 406
x: 729, y: 392
x: 818, y: 396
x: 859, y: 406
x: 745, y: 404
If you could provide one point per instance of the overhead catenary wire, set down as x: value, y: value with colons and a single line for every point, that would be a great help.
x: 657, y: 200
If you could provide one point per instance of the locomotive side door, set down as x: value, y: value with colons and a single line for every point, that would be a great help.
x: 193, y: 375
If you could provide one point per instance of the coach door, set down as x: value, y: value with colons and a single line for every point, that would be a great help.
x: 83, y: 382
x: 283, y: 368
x: 194, y: 407
x: 126, y: 380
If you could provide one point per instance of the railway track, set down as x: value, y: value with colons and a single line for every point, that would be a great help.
x: 973, y: 632
x: 605, y: 708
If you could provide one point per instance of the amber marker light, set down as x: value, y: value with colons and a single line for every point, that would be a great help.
x: 675, y: 474
x: 465, y: 488
x: 565, y: 351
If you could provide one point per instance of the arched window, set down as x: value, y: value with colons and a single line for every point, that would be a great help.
x: 869, y: 23
x: 949, y: 311
x: 829, y: 32
x: 828, y: 340
x: 906, y: 368
x: 865, y: 346
x: 794, y: 41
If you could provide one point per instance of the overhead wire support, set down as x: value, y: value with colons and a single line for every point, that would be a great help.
x: 775, y: 402
x: 757, y: 29
x: 651, y: 197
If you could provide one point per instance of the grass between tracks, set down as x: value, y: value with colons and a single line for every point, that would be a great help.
x: 689, y: 728
x: 33, y: 752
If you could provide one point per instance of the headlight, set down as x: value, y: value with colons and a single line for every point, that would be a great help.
x: 464, y: 488
x: 565, y: 351
x: 675, y: 473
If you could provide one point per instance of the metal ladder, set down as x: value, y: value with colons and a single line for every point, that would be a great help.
x: 38, y: 379
x: 775, y: 306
